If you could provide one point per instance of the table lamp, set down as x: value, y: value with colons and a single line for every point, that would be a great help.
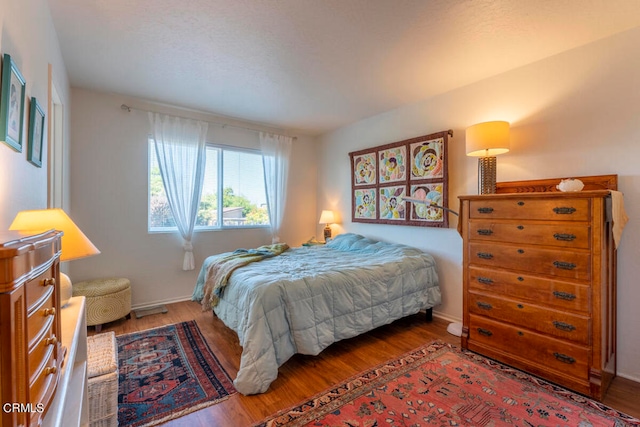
x: 486, y: 141
x: 75, y: 244
x: 327, y: 217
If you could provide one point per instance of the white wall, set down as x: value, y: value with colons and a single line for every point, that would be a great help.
x: 28, y: 35
x: 109, y: 193
x: 574, y: 114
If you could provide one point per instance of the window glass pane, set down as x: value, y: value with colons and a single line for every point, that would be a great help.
x: 160, y: 215
x: 208, y: 212
x: 244, y: 198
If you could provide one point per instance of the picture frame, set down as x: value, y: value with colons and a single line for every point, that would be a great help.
x: 383, y: 176
x: 36, y: 133
x: 12, y: 97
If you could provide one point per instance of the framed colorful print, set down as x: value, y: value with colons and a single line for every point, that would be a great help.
x: 382, y: 176
x: 364, y: 203
x: 427, y: 159
x: 392, y: 206
x: 392, y: 163
x: 364, y: 169
x: 36, y: 133
x: 12, y: 94
x: 432, y: 194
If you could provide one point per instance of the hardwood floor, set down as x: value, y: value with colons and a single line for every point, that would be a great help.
x: 304, y: 376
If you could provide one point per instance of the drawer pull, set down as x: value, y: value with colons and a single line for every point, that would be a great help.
x: 51, y: 281
x: 485, y: 210
x: 564, y: 237
x: 51, y: 341
x: 564, y: 265
x: 49, y: 312
x: 485, y: 280
x: 520, y: 279
x: 484, y: 255
x: 564, y: 210
x: 485, y: 332
x: 564, y: 326
x: 520, y: 251
x: 50, y: 370
x: 485, y: 232
x: 520, y: 227
x: 564, y: 358
x: 520, y: 203
x: 564, y: 295
x: 484, y: 305
x: 520, y: 306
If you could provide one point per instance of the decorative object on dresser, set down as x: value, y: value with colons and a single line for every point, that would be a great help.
x: 539, y: 280
x: 383, y: 176
x: 75, y: 244
x: 29, y: 325
x: 327, y: 218
x: 486, y: 141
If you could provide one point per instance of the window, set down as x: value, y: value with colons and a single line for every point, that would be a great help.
x: 235, y: 173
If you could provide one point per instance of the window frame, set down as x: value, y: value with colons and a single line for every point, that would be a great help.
x: 220, y: 149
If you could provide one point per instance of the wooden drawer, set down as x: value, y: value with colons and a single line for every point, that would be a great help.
x: 39, y: 353
x: 555, y: 354
x: 535, y: 259
x: 563, y: 234
x: 527, y: 315
x: 531, y: 208
x: 37, y: 288
x: 553, y: 293
x: 41, y: 319
x: 42, y: 388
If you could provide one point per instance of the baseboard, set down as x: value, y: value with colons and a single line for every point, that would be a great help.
x: 629, y: 377
x: 160, y: 302
x: 446, y: 317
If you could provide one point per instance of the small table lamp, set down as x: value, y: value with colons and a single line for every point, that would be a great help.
x: 485, y: 141
x: 75, y: 244
x: 327, y: 218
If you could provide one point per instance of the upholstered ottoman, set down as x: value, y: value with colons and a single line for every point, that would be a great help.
x: 102, y: 382
x: 107, y: 300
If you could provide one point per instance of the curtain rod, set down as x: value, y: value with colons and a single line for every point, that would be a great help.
x: 128, y: 109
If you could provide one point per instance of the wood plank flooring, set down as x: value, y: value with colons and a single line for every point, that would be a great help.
x: 304, y: 376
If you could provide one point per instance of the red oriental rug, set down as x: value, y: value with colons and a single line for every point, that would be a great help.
x: 442, y: 385
x: 165, y: 373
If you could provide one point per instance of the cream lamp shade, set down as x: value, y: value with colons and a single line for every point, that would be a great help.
x: 327, y: 217
x: 75, y: 244
x: 485, y: 141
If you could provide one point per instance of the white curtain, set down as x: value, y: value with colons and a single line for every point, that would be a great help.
x: 180, y: 150
x: 276, y: 150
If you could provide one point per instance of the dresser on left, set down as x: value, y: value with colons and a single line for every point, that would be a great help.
x: 30, y: 349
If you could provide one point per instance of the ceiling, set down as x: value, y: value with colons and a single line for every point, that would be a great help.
x: 315, y: 65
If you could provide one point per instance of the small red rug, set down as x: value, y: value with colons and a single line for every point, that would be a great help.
x: 165, y: 373
x: 442, y: 385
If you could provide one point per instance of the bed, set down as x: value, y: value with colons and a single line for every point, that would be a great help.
x: 307, y: 298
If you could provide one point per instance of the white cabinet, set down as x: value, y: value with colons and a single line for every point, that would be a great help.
x: 69, y: 406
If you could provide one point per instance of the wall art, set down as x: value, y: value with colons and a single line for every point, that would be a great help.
x: 12, y: 92
x: 382, y: 177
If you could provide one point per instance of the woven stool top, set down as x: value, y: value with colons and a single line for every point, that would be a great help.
x: 101, y: 354
x: 100, y: 287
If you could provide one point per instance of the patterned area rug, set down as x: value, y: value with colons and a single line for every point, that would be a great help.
x: 442, y: 385
x: 166, y: 373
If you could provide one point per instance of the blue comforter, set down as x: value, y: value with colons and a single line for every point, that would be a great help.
x: 307, y: 298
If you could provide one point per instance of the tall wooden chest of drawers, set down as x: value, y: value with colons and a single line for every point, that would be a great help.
x: 30, y: 353
x: 539, y: 285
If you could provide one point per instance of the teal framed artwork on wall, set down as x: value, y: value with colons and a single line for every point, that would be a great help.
x: 36, y: 133
x: 12, y: 93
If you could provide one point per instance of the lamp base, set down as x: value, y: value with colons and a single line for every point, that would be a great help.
x: 66, y: 289
x: 327, y: 233
x: 487, y: 175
